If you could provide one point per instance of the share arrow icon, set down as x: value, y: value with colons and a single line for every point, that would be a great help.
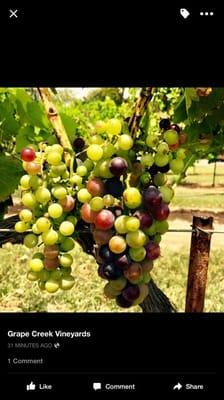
x: 178, y: 386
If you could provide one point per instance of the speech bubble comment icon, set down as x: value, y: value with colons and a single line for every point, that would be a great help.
x: 97, y: 385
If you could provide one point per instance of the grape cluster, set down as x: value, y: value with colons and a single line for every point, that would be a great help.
x: 122, y: 194
x: 119, y: 190
x: 47, y: 197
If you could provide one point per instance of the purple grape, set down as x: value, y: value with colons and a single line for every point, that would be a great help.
x: 175, y: 127
x: 164, y: 124
x: 118, y: 166
x: 146, y: 219
x: 122, y: 302
x: 131, y: 292
x: 123, y: 261
x: 105, y: 253
x: 151, y: 197
x: 111, y: 272
x: 78, y: 144
x: 164, y: 169
x: 152, y: 250
x: 114, y: 187
x: 161, y: 212
x: 153, y: 170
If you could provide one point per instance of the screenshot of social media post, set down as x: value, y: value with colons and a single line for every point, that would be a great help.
x: 111, y: 238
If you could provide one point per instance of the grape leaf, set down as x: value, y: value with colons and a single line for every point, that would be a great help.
x: 10, y: 127
x: 23, y: 138
x: 190, y: 95
x: 37, y: 115
x: 180, y: 114
x: 10, y: 174
x: 69, y: 125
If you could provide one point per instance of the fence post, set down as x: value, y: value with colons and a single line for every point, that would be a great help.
x: 198, y: 265
x: 214, y: 175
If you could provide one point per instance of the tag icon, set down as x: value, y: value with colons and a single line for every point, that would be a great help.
x: 184, y: 13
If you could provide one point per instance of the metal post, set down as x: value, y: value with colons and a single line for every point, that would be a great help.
x: 198, y: 264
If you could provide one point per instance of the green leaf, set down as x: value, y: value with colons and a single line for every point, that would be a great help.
x: 10, y: 126
x: 37, y: 115
x: 69, y: 125
x: 180, y: 114
x: 10, y: 174
x: 190, y: 95
x: 24, y: 137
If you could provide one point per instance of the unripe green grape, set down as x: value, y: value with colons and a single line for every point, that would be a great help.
x: 44, y: 275
x: 26, y: 215
x: 151, y: 231
x: 66, y: 271
x: 137, y: 254
x: 132, y: 197
x: 43, y: 224
x: 102, y: 169
x: 145, y: 178
x: 67, y: 282
x: 51, y: 286
x: 36, y: 230
x: 181, y: 153
x: 111, y: 292
x: 125, y: 142
x: 120, y: 224
x: 50, y: 237
x: 100, y: 127
x: 146, y: 277
x: 56, y: 148
x: 152, y: 140
x: 113, y: 126
x: 55, y: 210
x: 41, y: 285
x: 67, y: 244
x: 96, y: 139
x: 159, y: 179
x: 66, y: 228
x: 36, y: 265
x: 163, y: 148
x: 161, y: 159
x: 171, y: 137
x: 72, y: 219
x: 136, y: 239
x: 54, y: 158
x: 147, y: 160
x: 76, y: 180
x: 162, y: 226
x: 84, y: 196
x: 32, y: 276
x: 176, y: 165
x: 30, y: 240
x: 108, y: 200
x: 35, y: 182
x: 119, y: 284
x: 132, y: 224
x: 66, y: 260
x: 81, y: 170
x: 38, y: 255
x: 58, y: 170
x: 108, y: 150
x: 43, y: 195
x: 167, y: 193
x: 157, y: 238
x: 56, y: 274
x: 59, y: 192
x: 21, y: 226
x: 96, y: 203
x: 29, y: 200
x: 95, y: 152
x: 89, y: 164
x: 66, y: 175
x: 25, y: 182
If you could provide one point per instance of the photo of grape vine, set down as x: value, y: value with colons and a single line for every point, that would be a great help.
x: 101, y: 173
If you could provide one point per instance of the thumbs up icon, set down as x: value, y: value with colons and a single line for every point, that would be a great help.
x: 31, y: 386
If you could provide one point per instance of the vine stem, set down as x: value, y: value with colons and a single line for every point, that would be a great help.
x: 55, y: 119
x: 140, y: 107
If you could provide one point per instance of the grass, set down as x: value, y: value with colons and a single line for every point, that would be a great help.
x: 204, y: 200
x: 170, y: 273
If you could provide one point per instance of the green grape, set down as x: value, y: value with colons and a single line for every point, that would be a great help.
x: 120, y: 224
x: 171, y: 137
x: 82, y: 170
x: 66, y: 175
x: 35, y: 182
x: 55, y: 210
x: 54, y: 158
x: 119, y: 284
x: 44, y: 275
x: 32, y: 276
x: 66, y: 271
x: 30, y: 240
x: 147, y: 160
x: 108, y: 200
x: 59, y: 192
x: 29, y: 200
x: 100, y: 127
x: 145, y: 179
x: 38, y: 255
x: 146, y: 277
x: 84, y: 196
x: 51, y: 286
x: 67, y: 282
x: 66, y: 228
x: 181, y: 153
x: 151, y: 231
x: 132, y: 197
x: 25, y: 182
x: 161, y: 159
x: 36, y: 230
x: 136, y: 239
x: 41, y: 285
x: 157, y: 238
x: 36, y: 264
x: 56, y: 274
x: 96, y: 139
x: 102, y: 169
x: 66, y: 260
x: 125, y: 142
x: 21, y: 226
x: 159, y: 179
x: 72, y: 219
x: 43, y: 195
x: 67, y: 244
x: 167, y: 193
x: 26, y: 215
x: 43, y: 224
x: 111, y: 292
x: 177, y: 165
x: 163, y: 148
x: 96, y: 203
x: 95, y: 152
x: 137, y: 254
x: 113, y: 126
x: 50, y: 237
x: 89, y: 164
x: 76, y: 179
x: 162, y: 226
x: 152, y: 140
x: 108, y: 150
x: 132, y: 224
x: 58, y: 170
x: 56, y: 148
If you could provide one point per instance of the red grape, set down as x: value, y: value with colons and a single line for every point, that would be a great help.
x: 152, y: 250
x: 51, y: 263
x: 28, y: 154
x: 104, y: 220
x: 161, y: 212
x: 95, y: 187
x: 87, y: 214
x: 146, y: 219
x: 102, y: 237
x: 68, y: 203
